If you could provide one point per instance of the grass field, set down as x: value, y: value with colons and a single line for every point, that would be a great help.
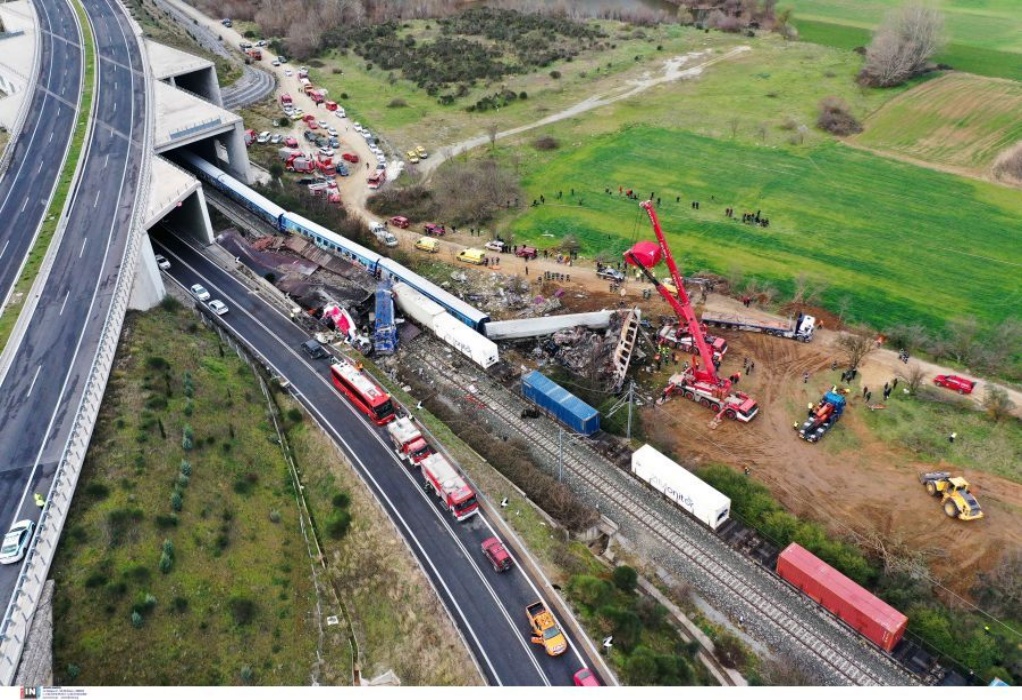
x: 983, y: 35
x: 239, y: 592
x: 959, y: 119
x: 902, y: 243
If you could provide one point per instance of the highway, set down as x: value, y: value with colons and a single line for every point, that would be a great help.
x: 489, y: 608
x: 39, y: 150
x: 42, y: 390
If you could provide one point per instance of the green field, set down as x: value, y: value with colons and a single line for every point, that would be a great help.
x: 959, y: 119
x: 901, y: 243
x: 983, y: 35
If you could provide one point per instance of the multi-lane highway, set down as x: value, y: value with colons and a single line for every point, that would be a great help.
x: 489, y: 608
x: 38, y: 152
x: 43, y: 388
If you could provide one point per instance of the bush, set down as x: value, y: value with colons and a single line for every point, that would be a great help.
x: 136, y: 620
x: 242, y: 609
x: 97, y: 490
x: 166, y: 563
x: 182, y: 480
x: 836, y: 117
x: 546, y: 143
x: 186, y: 467
x: 295, y: 415
x: 176, y: 502
x: 341, y: 500
x: 555, y: 74
x: 338, y: 524
x: 179, y: 604
x: 157, y: 364
x: 397, y: 102
x: 96, y: 580
x: 166, y: 521
x: 274, y: 516
x: 590, y: 591
x: 625, y: 578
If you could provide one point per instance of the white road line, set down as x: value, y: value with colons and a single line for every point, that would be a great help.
x: 96, y: 200
x: 23, y: 207
x: 40, y: 168
x: 106, y: 161
x: 65, y: 302
x: 86, y: 240
x: 6, y: 243
x: 444, y: 522
x: 34, y: 378
x: 51, y: 136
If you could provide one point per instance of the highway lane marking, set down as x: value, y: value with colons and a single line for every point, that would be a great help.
x: 65, y: 302
x: 83, y: 247
x: 106, y: 161
x: 96, y: 200
x: 51, y: 137
x: 34, y: 378
x: 6, y: 243
x: 326, y: 425
x: 23, y: 207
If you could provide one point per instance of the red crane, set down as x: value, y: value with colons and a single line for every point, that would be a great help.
x: 700, y: 383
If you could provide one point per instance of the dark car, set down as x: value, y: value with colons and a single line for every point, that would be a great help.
x: 497, y: 554
x: 955, y: 383
x: 314, y: 350
x: 611, y: 273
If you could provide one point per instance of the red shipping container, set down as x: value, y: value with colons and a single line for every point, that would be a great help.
x: 860, y: 609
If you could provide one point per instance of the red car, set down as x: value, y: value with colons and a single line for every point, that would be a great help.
x: 497, y: 554
x: 399, y: 221
x: 584, y: 676
x: 291, y: 142
x: 955, y: 383
x: 434, y: 229
x: 350, y: 157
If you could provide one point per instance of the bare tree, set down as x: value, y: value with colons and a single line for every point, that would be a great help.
x: 491, y: 133
x: 903, y: 45
x: 807, y: 291
x: 856, y: 347
x: 913, y: 376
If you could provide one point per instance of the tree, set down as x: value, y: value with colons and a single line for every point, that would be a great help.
x: 641, y: 667
x: 903, y: 45
x: 996, y: 403
x: 276, y: 171
x: 913, y: 376
x: 856, y: 347
x: 492, y: 129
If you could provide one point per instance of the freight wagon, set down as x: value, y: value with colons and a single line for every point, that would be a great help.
x: 707, y: 504
x: 854, y: 605
x: 560, y: 403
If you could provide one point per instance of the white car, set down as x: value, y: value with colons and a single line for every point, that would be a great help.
x: 261, y: 42
x: 200, y: 292
x: 277, y: 138
x: 327, y: 151
x: 288, y: 72
x: 162, y: 262
x: 275, y: 62
x: 16, y: 542
x: 264, y: 137
x: 341, y: 114
x: 495, y: 245
x: 322, y: 124
x: 332, y: 131
x: 218, y: 307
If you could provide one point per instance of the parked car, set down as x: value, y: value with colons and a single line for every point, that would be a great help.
x: 413, y: 157
x: 218, y: 307
x: 314, y: 350
x: 332, y: 131
x: 340, y: 113
x: 199, y: 292
x: 326, y: 151
x: 277, y: 138
x: 422, y: 152
x: 334, y: 142
x: 264, y: 137
x: 288, y: 72
x: 527, y: 252
x: 16, y: 541
x: 311, y: 180
x: 400, y: 221
x: 955, y: 383
x: 585, y: 677
x: 275, y: 62
x: 434, y: 229
x: 291, y: 142
x: 261, y: 43
x: 611, y: 273
x: 322, y: 124
x: 497, y: 245
x: 381, y: 165
x: 162, y: 262
x: 350, y: 157
x: 497, y: 554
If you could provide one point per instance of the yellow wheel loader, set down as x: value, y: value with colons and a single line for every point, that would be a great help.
x: 954, y: 493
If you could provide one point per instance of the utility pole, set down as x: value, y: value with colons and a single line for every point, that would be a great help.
x: 631, y: 396
x: 560, y: 452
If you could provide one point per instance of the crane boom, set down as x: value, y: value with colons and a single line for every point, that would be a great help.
x: 642, y: 257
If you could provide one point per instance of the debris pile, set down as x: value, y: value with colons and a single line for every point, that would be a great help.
x: 494, y: 293
x: 601, y: 355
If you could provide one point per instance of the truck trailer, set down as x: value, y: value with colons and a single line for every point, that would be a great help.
x: 799, y: 328
x: 442, y: 479
x: 705, y: 503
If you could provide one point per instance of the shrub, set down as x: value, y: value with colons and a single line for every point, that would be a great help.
x: 97, y: 490
x: 166, y: 521
x: 397, y: 102
x: 136, y: 620
x: 247, y: 675
x: 170, y: 304
x: 96, y: 580
x: 166, y: 563
x: 546, y: 143
x: 182, y: 480
x: 157, y: 364
x: 189, y: 408
x: 73, y: 670
x: 295, y: 415
x: 186, y: 467
x: 242, y: 486
x: 555, y: 74
x: 836, y: 117
x: 341, y: 500
x: 625, y: 578
x: 242, y: 609
x: 176, y: 502
x: 274, y: 516
x: 137, y: 573
x: 179, y: 604
x: 338, y: 524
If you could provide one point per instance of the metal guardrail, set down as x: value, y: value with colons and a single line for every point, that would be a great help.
x: 33, y: 78
x: 17, y: 621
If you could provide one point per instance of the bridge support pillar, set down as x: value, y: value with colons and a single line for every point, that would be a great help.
x: 147, y: 290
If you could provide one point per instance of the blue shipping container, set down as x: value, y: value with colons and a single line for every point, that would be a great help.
x: 565, y: 406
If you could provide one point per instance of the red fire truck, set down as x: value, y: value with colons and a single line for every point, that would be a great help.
x: 440, y: 477
x: 366, y: 394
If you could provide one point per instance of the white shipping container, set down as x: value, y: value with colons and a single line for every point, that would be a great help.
x: 416, y: 306
x: 681, y: 486
x: 477, y: 348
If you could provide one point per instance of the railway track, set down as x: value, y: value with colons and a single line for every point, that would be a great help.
x: 845, y: 658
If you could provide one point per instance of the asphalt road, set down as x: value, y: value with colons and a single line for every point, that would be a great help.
x: 489, y: 608
x: 39, y: 150
x: 40, y: 395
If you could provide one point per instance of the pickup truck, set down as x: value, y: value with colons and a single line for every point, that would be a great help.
x: 545, y: 630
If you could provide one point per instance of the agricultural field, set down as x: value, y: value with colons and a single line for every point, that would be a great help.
x: 983, y: 37
x: 927, y: 247
x: 960, y: 120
